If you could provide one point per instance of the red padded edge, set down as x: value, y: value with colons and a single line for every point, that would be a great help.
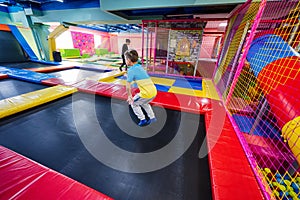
x: 25, y: 179
x: 3, y: 76
x: 182, y: 102
x: 4, y: 27
x: 231, y: 174
x: 173, y: 101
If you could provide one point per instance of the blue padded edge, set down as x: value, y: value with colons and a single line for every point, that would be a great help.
x: 4, y: 70
x: 162, y: 88
x: 23, y: 42
x: 25, y: 75
x: 192, y: 84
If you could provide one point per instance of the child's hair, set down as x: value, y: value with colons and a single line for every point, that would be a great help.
x: 127, y: 41
x: 132, y: 55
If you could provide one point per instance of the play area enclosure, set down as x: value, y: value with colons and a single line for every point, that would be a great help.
x: 176, y: 46
x: 258, y: 76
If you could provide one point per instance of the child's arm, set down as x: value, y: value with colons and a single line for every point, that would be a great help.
x: 128, y: 90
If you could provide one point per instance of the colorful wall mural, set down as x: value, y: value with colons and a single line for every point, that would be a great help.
x: 84, y: 42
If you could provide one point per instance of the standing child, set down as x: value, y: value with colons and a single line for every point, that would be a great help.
x: 124, y: 49
x: 147, y: 89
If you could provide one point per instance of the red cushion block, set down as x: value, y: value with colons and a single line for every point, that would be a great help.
x: 3, y: 76
x: 22, y: 178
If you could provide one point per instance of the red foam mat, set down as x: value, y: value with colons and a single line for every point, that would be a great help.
x: 22, y: 178
x: 3, y: 76
x: 231, y: 175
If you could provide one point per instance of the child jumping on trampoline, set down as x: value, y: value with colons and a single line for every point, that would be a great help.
x: 147, y: 89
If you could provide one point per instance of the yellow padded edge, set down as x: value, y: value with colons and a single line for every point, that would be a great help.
x: 209, y: 89
x: 163, y: 81
x: 106, y: 76
x: 22, y: 102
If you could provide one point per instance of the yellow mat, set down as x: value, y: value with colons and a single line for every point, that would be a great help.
x: 186, y: 91
x: 22, y: 102
x: 163, y: 81
x: 104, y: 77
x: 208, y: 88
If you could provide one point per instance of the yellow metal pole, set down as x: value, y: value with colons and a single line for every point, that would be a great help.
x: 52, y: 36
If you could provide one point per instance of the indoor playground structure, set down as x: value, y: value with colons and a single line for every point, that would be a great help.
x: 227, y: 104
x: 181, y: 46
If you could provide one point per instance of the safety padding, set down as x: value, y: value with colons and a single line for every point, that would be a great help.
x: 4, y: 27
x: 26, y: 75
x: 22, y: 102
x: 3, y: 76
x: 108, y: 75
x: 70, y: 53
x: 103, y: 89
x: 22, y: 178
x: 230, y: 171
x: 50, y: 68
x: 182, y: 102
x: 173, y: 101
x: 22, y: 41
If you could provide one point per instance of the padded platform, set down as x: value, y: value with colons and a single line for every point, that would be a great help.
x: 3, y: 76
x: 22, y: 178
x: 23, y: 102
x: 231, y: 174
x: 25, y: 75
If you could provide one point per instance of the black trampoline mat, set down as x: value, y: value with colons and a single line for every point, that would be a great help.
x: 11, y: 87
x: 49, y: 135
x: 75, y: 74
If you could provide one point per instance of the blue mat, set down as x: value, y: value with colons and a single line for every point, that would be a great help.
x: 26, y: 75
x: 162, y: 88
x: 191, y: 84
x: 264, y: 128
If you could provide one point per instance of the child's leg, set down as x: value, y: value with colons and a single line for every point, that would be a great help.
x: 139, y: 102
x: 138, y: 111
x: 148, y: 110
x: 136, y: 107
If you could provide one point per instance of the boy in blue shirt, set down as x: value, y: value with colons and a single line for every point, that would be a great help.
x: 147, y: 88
